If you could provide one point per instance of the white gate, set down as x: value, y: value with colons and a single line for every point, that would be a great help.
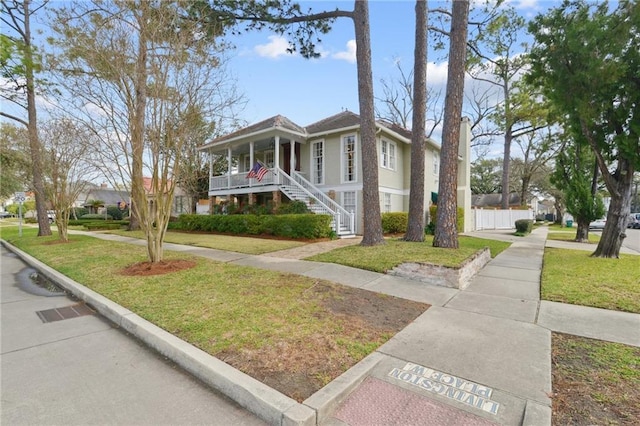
x: 498, y: 219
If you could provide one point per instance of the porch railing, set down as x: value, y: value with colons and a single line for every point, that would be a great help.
x: 296, y: 187
x: 239, y: 180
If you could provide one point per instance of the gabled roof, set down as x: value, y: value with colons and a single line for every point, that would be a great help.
x: 278, y: 121
x: 341, y: 120
x: 110, y: 197
x: 493, y: 200
x: 337, y: 121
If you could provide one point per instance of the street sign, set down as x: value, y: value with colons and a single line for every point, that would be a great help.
x: 20, y: 197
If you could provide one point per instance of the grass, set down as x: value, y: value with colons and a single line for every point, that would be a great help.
x: 594, y: 382
x: 211, y: 299
x: 246, y: 245
x: 573, y: 276
x: 385, y: 257
x: 570, y: 235
x: 266, y: 323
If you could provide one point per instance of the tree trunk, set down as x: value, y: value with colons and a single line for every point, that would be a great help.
x: 582, y: 233
x: 506, y: 160
x: 446, y: 232
x: 372, y: 233
x: 615, y: 229
x: 139, y: 212
x: 44, y: 228
x: 415, y: 226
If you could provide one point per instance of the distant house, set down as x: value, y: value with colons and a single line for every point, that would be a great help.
x: 109, y: 198
x: 113, y: 198
x: 277, y: 161
x: 494, y: 201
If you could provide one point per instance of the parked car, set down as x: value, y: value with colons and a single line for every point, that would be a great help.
x: 634, y: 221
x: 51, y: 215
x: 4, y: 215
x: 598, y: 224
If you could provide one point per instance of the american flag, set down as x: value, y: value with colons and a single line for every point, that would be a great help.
x: 257, y: 171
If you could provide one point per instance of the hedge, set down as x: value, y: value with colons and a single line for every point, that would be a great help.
x: 524, y: 226
x: 309, y: 226
x: 395, y: 223
x: 433, y: 210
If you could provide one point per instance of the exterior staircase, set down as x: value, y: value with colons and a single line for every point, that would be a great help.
x: 298, y: 188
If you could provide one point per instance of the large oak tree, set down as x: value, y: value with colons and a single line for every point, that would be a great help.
x: 587, y: 60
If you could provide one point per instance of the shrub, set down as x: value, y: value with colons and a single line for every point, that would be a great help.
x: 308, y: 226
x: 293, y: 207
x: 431, y: 226
x: 78, y: 212
x: 102, y: 225
x: 116, y: 213
x: 524, y: 226
x: 395, y: 223
x: 95, y: 216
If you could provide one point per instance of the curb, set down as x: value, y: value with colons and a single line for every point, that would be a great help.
x: 258, y: 398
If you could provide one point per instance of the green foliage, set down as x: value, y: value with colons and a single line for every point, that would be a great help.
x: 116, y: 213
x: 486, y: 176
x: 290, y: 226
x: 95, y: 216
x: 433, y: 212
x: 395, y: 223
x: 104, y: 225
x: 281, y: 16
x: 586, y: 60
x: 293, y: 207
x: 574, y: 176
x: 78, y: 212
x: 524, y: 226
x: 14, y: 161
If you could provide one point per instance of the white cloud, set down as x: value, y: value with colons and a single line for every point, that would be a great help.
x: 437, y: 73
x: 276, y: 47
x: 348, y: 55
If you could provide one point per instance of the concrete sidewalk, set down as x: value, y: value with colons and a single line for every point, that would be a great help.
x: 477, y: 356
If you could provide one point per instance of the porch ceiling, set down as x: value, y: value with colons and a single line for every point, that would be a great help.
x: 242, y: 147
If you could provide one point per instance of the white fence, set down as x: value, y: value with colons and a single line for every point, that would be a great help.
x: 498, y: 219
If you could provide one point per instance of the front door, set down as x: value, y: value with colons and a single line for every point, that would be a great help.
x: 286, y: 160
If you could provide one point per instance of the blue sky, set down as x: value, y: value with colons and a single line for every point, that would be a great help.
x: 305, y: 91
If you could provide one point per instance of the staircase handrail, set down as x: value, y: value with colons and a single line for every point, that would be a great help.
x: 324, y: 198
x: 308, y: 188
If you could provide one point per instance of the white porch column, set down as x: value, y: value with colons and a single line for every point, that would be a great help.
x: 229, y: 167
x: 292, y: 157
x: 276, y: 155
x: 251, y: 161
x: 210, y: 169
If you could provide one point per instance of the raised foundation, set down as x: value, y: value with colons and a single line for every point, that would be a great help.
x: 458, y: 278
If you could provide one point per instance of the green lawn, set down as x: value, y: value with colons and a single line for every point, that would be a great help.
x: 573, y: 276
x: 569, y: 234
x: 246, y: 245
x: 385, y: 257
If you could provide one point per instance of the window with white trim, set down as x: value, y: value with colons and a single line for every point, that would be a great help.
x: 349, y: 201
x: 317, y: 162
x: 247, y: 163
x: 388, y: 155
x: 436, y: 163
x: 349, y: 158
x: 386, y: 207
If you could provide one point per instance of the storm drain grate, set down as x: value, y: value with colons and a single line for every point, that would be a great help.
x: 59, y: 314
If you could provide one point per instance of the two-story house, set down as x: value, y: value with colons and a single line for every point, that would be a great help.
x: 321, y: 165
